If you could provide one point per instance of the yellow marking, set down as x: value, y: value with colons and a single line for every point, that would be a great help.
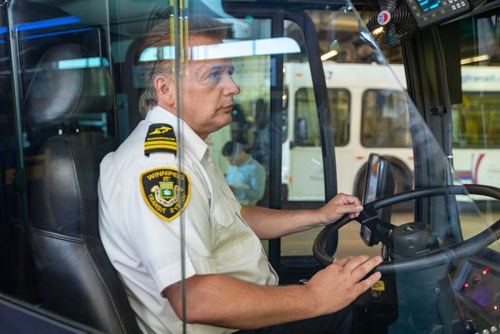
x: 151, y: 147
x: 160, y: 145
x: 160, y: 130
x: 160, y: 139
x: 379, y: 286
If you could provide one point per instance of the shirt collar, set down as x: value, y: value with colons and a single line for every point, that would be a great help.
x: 184, y: 134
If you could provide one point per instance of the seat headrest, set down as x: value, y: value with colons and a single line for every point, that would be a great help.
x: 67, y: 81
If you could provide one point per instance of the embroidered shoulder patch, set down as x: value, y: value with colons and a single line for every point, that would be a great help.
x: 160, y: 138
x: 166, y: 191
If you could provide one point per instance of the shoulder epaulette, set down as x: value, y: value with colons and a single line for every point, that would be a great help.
x: 160, y: 138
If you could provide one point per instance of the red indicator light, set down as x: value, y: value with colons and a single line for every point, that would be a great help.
x: 466, y: 285
x: 485, y: 271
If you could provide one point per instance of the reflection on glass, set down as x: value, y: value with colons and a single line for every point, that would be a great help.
x: 229, y: 49
x: 245, y: 176
x: 386, y: 109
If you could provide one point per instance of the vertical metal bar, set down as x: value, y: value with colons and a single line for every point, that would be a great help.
x: 276, y: 134
x: 16, y: 81
x: 323, y: 108
x: 180, y: 43
x: 20, y: 177
x: 111, y: 69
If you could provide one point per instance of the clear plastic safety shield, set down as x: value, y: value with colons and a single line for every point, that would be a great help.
x: 140, y: 139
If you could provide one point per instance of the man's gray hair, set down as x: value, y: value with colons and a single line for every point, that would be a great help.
x: 160, y: 36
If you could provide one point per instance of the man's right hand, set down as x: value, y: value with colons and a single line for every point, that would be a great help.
x: 339, y: 284
x: 210, y: 298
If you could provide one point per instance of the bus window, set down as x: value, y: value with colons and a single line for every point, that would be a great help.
x: 389, y: 108
x: 477, y: 121
x: 306, y: 126
x: 339, y: 100
x: 251, y: 112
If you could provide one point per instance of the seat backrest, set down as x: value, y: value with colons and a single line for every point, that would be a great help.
x: 75, y: 277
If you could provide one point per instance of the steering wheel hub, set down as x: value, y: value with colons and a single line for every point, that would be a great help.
x: 412, y: 239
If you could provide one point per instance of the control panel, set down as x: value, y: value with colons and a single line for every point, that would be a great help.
x: 427, y: 12
x: 478, y: 289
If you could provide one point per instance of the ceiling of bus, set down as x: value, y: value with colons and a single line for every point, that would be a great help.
x: 130, y: 13
x: 133, y: 14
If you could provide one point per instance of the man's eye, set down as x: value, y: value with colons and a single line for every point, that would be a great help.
x: 214, y: 75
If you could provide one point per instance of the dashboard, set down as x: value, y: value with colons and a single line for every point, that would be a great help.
x: 477, y: 287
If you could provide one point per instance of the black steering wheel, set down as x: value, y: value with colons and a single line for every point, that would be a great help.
x: 432, y: 258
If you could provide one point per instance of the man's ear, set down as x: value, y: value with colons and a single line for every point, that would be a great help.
x: 165, y: 90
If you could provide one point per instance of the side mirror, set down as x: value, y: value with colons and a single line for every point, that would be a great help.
x: 379, y: 183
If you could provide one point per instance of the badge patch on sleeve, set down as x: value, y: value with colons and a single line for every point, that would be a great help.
x: 166, y: 191
x: 160, y: 138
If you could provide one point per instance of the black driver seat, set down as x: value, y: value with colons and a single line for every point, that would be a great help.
x: 74, y: 276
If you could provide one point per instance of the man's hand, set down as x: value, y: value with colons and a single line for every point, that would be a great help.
x: 210, y: 298
x: 342, y: 282
x: 338, y: 206
x: 270, y: 223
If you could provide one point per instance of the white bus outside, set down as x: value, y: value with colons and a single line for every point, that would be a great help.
x: 476, y: 127
x: 361, y: 95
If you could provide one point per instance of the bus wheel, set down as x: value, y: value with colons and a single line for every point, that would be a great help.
x: 402, y: 175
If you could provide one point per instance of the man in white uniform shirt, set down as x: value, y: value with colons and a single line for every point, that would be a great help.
x: 149, y: 185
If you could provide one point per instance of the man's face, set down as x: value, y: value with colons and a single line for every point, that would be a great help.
x: 207, y: 90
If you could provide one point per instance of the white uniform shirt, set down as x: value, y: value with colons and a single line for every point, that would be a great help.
x: 146, y: 249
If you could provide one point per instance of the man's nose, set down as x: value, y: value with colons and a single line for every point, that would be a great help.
x: 231, y: 88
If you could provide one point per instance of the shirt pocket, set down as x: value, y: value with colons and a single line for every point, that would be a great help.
x: 224, y: 214
x: 230, y: 198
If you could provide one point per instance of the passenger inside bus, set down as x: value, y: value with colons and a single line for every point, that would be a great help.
x: 245, y: 176
x: 227, y: 272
